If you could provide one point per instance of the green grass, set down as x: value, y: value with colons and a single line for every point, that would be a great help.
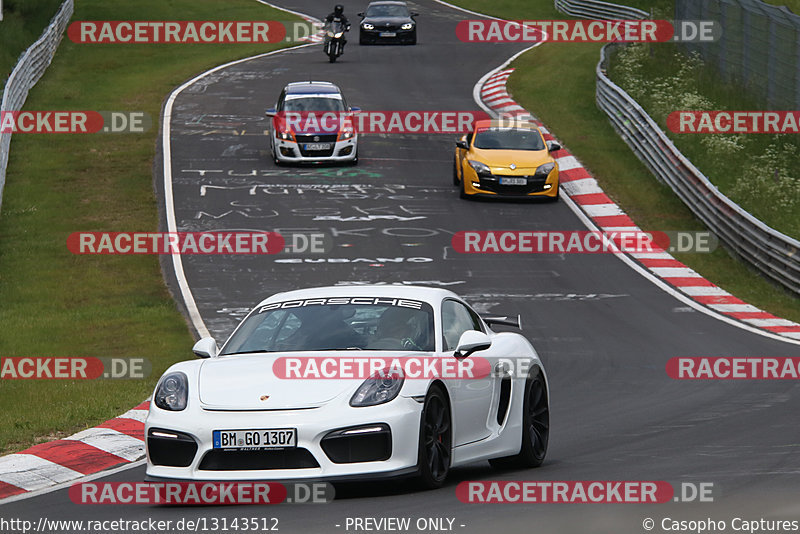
x: 556, y: 82
x: 58, y: 304
x: 758, y: 172
x: 23, y: 22
x: 793, y: 5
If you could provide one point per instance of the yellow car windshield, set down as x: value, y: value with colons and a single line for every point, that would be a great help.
x: 508, y: 139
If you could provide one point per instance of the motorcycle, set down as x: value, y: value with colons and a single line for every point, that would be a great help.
x: 334, y: 39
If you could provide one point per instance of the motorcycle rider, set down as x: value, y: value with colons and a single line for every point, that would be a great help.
x: 338, y: 16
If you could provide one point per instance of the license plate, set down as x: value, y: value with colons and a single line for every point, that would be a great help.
x: 255, y: 440
x: 317, y: 146
x: 513, y: 181
x: 388, y: 34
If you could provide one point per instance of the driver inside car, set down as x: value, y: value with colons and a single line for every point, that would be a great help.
x: 398, y: 329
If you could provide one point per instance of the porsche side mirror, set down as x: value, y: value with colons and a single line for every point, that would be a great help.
x: 205, y: 348
x: 552, y: 146
x: 270, y: 112
x: 462, y: 144
x: 472, y: 341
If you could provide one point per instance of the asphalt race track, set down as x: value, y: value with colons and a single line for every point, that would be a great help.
x: 603, y: 330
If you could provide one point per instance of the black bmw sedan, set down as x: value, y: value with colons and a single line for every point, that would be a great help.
x: 387, y: 21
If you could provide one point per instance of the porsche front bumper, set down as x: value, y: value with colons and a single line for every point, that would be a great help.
x: 308, y: 461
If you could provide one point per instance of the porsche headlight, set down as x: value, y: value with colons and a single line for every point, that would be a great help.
x: 172, y: 392
x: 407, y: 26
x: 368, y: 26
x: 545, y: 169
x: 480, y: 168
x: 377, y: 390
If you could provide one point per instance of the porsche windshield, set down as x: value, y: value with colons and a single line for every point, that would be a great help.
x: 509, y: 139
x: 339, y: 323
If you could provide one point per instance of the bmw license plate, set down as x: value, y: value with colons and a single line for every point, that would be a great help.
x: 388, y: 34
x: 513, y: 181
x: 255, y: 440
x: 317, y: 146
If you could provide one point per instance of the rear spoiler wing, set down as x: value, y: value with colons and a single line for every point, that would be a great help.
x: 505, y: 320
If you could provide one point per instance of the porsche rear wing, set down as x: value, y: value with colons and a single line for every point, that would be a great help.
x: 505, y: 320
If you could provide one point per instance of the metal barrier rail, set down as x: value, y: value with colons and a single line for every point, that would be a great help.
x: 775, y: 254
x: 30, y: 67
x: 594, y: 9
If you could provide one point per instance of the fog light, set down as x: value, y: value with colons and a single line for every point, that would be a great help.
x: 547, y: 186
x: 476, y: 184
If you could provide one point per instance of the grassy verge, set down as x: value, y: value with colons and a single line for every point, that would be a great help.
x: 58, y: 304
x: 23, y: 22
x: 557, y: 83
x: 758, y: 172
x: 793, y: 5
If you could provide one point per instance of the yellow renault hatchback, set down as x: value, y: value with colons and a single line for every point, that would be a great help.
x: 506, y: 159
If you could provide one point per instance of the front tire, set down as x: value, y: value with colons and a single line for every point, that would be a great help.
x: 435, y: 440
x: 535, y: 428
x: 456, y: 181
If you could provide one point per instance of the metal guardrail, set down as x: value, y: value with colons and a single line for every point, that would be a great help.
x: 594, y: 9
x: 771, y: 252
x: 775, y: 254
x: 30, y: 67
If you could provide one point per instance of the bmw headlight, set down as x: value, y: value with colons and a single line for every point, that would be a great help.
x: 368, y: 26
x: 545, y: 169
x: 480, y: 168
x: 407, y: 26
x: 172, y: 392
x: 377, y: 390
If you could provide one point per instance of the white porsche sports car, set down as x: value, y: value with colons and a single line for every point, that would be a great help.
x: 344, y: 382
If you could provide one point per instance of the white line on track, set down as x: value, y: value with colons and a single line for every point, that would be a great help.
x: 177, y: 262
